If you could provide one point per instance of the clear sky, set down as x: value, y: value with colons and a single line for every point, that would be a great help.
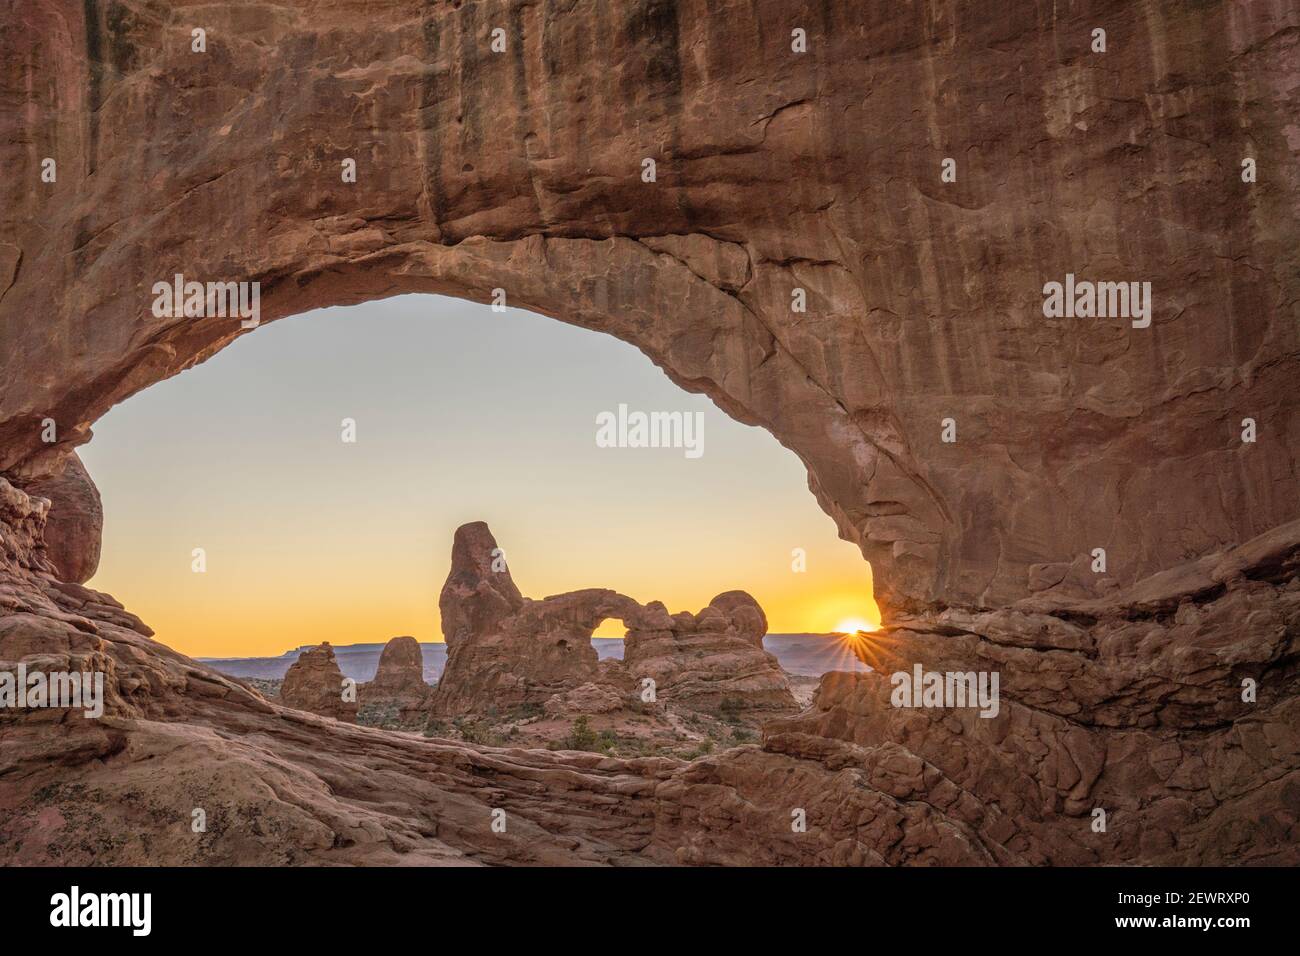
x: 462, y: 414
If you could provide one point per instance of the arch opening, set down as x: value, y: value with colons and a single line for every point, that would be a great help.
x: 652, y: 305
x: 229, y: 457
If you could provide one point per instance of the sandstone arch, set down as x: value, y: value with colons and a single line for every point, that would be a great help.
x: 774, y: 173
x: 505, y: 650
x: 521, y: 171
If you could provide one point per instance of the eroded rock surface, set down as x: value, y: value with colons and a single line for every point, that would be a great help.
x: 1174, y: 710
x: 314, y: 682
x: 75, y: 523
x: 505, y: 650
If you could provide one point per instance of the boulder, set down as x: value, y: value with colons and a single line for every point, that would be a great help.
x: 75, y: 524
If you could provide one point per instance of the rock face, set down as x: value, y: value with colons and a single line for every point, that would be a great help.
x: 315, y: 683
x: 1162, y: 690
x: 711, y: 660
x: 1145, y: 708
x: 505, y: 650
x: 75, y: 522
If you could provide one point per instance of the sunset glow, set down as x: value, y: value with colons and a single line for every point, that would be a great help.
x: 309, y: 538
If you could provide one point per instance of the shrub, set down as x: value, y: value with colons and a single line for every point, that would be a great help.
x: 581, y: 736
x: 729, y: 709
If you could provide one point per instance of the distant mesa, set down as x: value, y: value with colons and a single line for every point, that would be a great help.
x: 315, y: 684
x: 506, y: 650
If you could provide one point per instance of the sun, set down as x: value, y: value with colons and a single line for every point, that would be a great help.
x: 851, y: 625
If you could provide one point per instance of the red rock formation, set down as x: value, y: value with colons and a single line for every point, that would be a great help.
x: 401, y: 669
x: 504, y: 650
x: 75, y: 522
x: 399, y: 679
x: 1138, y: 707
x: 315, y: 683
x: 1134, y: 707
x: 776, y: 172
x: 708, y: 660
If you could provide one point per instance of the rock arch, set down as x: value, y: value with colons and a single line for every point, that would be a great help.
x: 521, y: 171
x: 776, y: 172
x: 505, y: 650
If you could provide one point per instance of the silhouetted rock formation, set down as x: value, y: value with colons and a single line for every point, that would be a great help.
x: 315, y: 683
x: 504, y: 650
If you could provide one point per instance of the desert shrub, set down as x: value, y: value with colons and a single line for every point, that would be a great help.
x: 581, y: 736
x: 475, y: 731
x: 704, y: 749
x: 729, y: 709
x: 527, y: 711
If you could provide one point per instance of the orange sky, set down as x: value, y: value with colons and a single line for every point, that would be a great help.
x: 462, y: 414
